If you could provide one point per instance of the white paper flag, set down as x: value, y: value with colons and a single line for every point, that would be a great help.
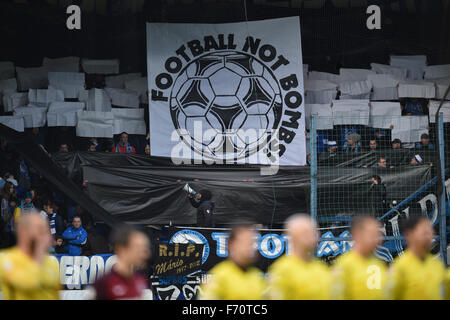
x: 441, y: 88
x: 32, y: 78
x: 123, y: 98
x: 319, y: 91
x: 119, y: 81
x: 71, y: 83
x: 355, y: 88
x: 438, y: 71
x: 139, y: 86
x: 12, y: 99
x: 317, y: 75
x: 350, y: 112
x: 100, y: 66
x: 34, y: 117
x: 66, y: 64
x: 354, y: 74
x: 43, y: 97
x: 7, y: 70
x: 434, y: 105
x: 384, y: 114
x: 399, y: 73
x: 63, y: 114
x: 414, y: 64
x: 409, y: 129
x: 95, y: 124
x: 14, y: 122
x: 324, y: 115
x: 416, y: 89
x: 96, y: 100
x: 8, y: 85
x: 130, y: 121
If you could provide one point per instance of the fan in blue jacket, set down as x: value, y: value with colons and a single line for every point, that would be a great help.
x: 75, y: 237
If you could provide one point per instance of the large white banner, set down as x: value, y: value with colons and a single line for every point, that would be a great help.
x: 227, y: 93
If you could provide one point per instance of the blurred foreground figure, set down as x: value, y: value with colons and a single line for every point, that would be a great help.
x: 358, y: 274
x: 235, y: 278
x: 27, y: 272
x: 417, y: 274
x: 298, y: 275
x: 132, y: 248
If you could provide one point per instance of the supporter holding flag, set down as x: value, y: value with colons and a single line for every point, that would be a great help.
x: 75, y: 237
x: 417, y: 274
x: 358, y: 274
x: 132, y: 248
x: 26, y: 271
x: 298, y: 275
x: 124, y: 146
x: 236, y: 278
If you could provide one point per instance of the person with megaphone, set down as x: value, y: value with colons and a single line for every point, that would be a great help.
x: 205, y: 206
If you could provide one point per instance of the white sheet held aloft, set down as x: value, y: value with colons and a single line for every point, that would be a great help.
x: 129, y: 120
x: 12, y: 100
x: 140, y: 86
x: 100, y: 66
x: 319, y: 91
x: 66, y: 64
x: 95, y: 124
x: 96, y: 100
x: 384, y: 86
x: 63, y: 114
x: 119, y: 81
x: 438, y: 71
x: 354, y: 74
x: 350, y: 112
x: 384, y: 114
x: 434, y: 105
x: 8, y: 85
x: 397, y: 72
x: 355, y: 89
x: 7, y: 70
x: 414, y: 64
x: 318, y: 75
x: 123, y: 98
x: 69, y: 82
x: 32, y: 78
x: 13, y: 122
x: 441, y: 88
x: 43, y: 97
x: 34, y: 116
x: 323, y: 113
x: 409, y: 129
x: 416, y: 89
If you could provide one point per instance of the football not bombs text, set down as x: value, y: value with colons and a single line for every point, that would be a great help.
x: 266, y: 53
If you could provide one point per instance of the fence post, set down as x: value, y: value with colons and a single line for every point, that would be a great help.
x: 313, y: 166
x: 442, y: 204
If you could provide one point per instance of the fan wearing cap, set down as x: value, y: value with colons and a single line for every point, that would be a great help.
x: 332, y: 148
x: 416, y: 160
x: 424, y: 143
x: 396, y: 144
x: 352, y: 145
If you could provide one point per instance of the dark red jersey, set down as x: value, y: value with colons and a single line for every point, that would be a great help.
x: 114, y: 286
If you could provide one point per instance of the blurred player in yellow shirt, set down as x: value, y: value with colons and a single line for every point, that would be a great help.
x: 27, y: 272
x: 417, y: 274
x: 299, y: 276
x: 358, y: 274
x: 235, y: 278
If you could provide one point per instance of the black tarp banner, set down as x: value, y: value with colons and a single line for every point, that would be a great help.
x: 154, y: 195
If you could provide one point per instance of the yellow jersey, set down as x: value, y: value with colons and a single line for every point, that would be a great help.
x: 291, y: 278
x: 22, y: 278
x: 447, y: 286
x: 413, y: 279
x: 359, y: 278
x: 230, y: 282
